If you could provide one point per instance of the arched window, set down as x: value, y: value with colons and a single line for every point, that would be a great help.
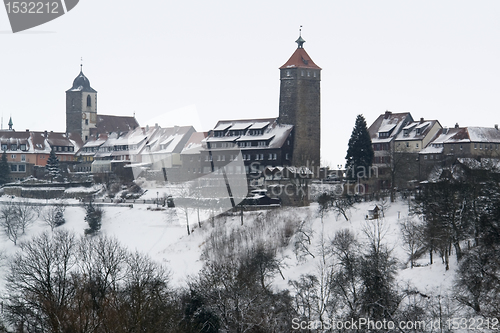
x: 89, y: 100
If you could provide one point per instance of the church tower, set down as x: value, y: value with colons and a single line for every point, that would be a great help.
x: 300, y: 105
x: 81, y: 107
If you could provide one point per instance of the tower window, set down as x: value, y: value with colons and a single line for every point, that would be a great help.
x: 301, y: 73
x: 89, y: 100
x: 288, y: 73
x: 86, y: 121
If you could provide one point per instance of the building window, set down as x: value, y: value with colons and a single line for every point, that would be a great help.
x: 23, y: 158
x: 4, y: 147
x: 23, y: 147
x: 86, y: 121
x: 301, y: 73
x: 13, y: 156
x: 475, y: 146
x: 275, y: 156
x: 432, y: 157
x: 287, y: 73
x: 223, y: 157
x: 407, y: 145
x: 425, y: 157
x: 13, y: 167
x: 13, y: 147
x: 22, y: 168
x: 314, y: 74
x: 417, y: 145
x: 287, y: 157
x: 89, y: 100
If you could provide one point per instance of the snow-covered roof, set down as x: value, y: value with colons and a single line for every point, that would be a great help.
x: 431, y: 150
x: 416, y: 130
x: 484, y: 134
x: 275, y: 133
x: 194, y: 144
x: 391, y: 123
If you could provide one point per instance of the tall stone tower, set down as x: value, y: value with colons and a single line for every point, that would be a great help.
x: 81, y: 107
x: 300, y: 105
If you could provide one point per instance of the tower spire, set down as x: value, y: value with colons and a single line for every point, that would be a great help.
x: 81, y: 65
x: 10, y: 123
x: 300, y: 41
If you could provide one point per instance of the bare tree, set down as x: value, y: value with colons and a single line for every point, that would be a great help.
x: 39, y: 282
x: 411, y: 231
x: 23, y: 213
x: 303, y: 240
x: 53, y: 216
x: 10, y: 223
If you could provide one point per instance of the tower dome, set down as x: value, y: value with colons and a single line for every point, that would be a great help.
x: 82, y: 83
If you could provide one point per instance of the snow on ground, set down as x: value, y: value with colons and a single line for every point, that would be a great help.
x: 163, y: 236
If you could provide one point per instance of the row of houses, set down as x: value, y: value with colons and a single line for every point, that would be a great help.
x: 29, y: 149
x: 406, y: 150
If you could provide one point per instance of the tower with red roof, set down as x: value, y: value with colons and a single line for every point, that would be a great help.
x: 300, y: 105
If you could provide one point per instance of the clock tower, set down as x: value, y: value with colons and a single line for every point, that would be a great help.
x: 81, y: 107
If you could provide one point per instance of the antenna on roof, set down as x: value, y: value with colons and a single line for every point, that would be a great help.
x: 300, y: 31
x: 81, y: 64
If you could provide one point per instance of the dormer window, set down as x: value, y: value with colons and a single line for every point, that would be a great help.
x: 13, y: 147
x: 23, y: 147
x: 406, y: 132
x: 4, y: 147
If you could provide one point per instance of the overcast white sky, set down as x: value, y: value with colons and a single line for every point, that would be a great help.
x: 436, y: 59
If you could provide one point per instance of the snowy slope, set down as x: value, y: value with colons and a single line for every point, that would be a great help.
x: 163, y: 236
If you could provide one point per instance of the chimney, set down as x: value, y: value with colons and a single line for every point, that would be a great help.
x: 46, y: 134
x: 27, y: 130
x: 421, y: 120
x: 387, y: 114
x: 156, y: 125
x: 496, y: 127
x: 147, y: 127
x: 456, y: 125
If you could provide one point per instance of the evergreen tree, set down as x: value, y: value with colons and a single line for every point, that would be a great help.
x: 359, y: 156
x: 4, y: 169
x: 52, y: 167
x: 93, y: 217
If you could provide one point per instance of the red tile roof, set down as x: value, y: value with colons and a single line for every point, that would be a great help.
x: 300, y: 59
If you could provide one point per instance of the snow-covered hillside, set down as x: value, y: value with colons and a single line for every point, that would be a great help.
x: 163, y: 236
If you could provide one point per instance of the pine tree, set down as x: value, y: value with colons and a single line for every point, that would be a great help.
x: 93, y: 217
x: 4, y: 169
x: 52, y: 167
x: 359, y: 156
